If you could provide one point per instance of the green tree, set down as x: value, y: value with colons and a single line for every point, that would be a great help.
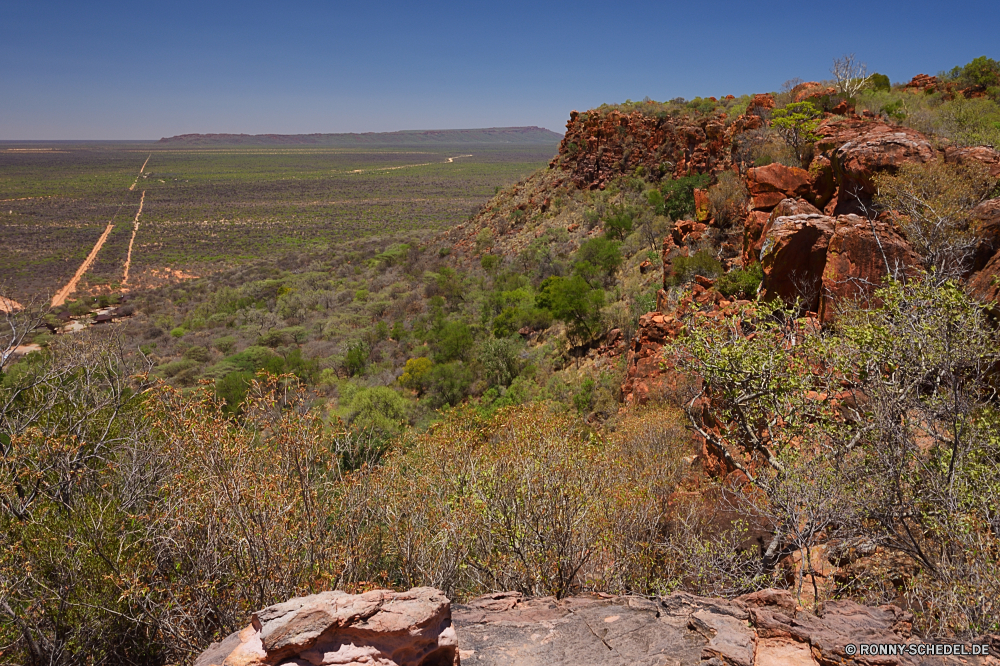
x: 796, y: 123
x: 416, y: 373
x: 574, y: 301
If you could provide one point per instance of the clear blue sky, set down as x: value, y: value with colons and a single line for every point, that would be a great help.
x: 143, y: 70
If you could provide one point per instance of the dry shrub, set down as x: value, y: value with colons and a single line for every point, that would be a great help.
x: 529, y: 500
x: 727, y: 199
x: 932, y: 203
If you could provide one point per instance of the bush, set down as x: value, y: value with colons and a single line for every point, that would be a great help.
x: 678, y: 195
x: 741, y: 283
x: 727, y: 199
x: 356, y: 358
x: 573, y: 301
x: 702, y: 262
x: 379, y: 409
x: 224, y: 344
x: 603, y: 254
x: 452, y: 341
x: 501, y: 360
x: 416, y: 373
x: 448, y: 384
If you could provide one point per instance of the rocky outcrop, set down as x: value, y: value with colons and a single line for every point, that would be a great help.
x: 377, y: 628
x: 860, y: 253
x: 793, y: 256
x: 645, y: 378
x: 823, y: 261
x: 769, y: 185
x: 859, y: 148
x: 599, y: 146
x: 765, y: 628
x: 759, y: 224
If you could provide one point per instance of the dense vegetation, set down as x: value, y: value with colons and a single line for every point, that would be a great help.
x: 433, y: 406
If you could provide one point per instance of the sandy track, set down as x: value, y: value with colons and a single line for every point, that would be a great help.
x: 452, y: 159
x: 139, y: 175
x: 70, y: 287
x: 135, y: 229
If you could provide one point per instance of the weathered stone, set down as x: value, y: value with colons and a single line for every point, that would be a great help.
x: 990, y: 157
x: 768, y: 185
x: 859, y: 255
x: 377, y: 628
x: 785, y: 208
x: 793, y: 255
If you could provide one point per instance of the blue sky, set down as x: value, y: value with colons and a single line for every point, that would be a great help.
x: 143, y: 70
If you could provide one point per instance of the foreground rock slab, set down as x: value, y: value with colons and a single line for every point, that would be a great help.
x: 378, y: 628
x: 765, y: 629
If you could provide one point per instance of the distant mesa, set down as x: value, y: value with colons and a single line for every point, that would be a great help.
x: 532, y: 136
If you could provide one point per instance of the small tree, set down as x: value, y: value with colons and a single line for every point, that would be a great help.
x: 852, y: 75
x: 797, y: 123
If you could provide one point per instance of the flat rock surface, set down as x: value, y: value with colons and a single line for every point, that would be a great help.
x: 765, y: 628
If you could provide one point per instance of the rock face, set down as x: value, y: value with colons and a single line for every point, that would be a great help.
x: 859, y: 255
x: 599, y: 146
x: 765, y: 628
x: 770, y: 184
x: 793, y: 256
x: 377, y: 628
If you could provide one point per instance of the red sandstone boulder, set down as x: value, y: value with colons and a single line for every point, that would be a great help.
x: 823, y: 181
x: 770, y: 184
x: 985, y: 284
x: 377, y: 628
x: 857, y: 263
x: 793, y: 256
x: 857, y: 148
x: 811, y: 90
x: 982, y: 154
x: 753, y: 230
x: 922, y: 82
x: 986, y: 217
x: 785, y: 208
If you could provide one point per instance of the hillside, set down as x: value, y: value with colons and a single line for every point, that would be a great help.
x: 532, y: 136
x: 715, y: 347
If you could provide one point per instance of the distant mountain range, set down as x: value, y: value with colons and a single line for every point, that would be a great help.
x: 490, y: 135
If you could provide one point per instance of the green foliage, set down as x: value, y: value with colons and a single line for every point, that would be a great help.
x: 379, y: 408
x: 501, y: 360
x: 490, y: 263
x: 742, y: 282
x: 178, y: 332
x: 981, y: 71
x: 416, y: 373
x: 600, y: 254
x: 356, y: 358
x: 452, y: 341
x: 797, y: 123
x: 232, y: 389
x: 448, y: 384
x: 702, y: 262
x: 879, y: 82
x: 574, y: 301
x: 678, y: 195
x: 618, y: 223
x: 224, y: 344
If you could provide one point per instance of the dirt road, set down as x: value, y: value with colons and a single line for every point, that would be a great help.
x: 70, y: 287
x: 139, y: 175
x: 135, y: 229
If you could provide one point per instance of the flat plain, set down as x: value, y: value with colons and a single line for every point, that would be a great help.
x: 204, y: 208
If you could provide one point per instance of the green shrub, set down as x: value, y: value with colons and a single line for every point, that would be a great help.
x: 448, y: 384
x: 879, y: 82
x: 678, y: 195
x: 232, y: 389
x: 380, y: 409
x: 603, y: 254
x: 198, y: 353
x: 356, y: 358
x: 416, y: 374
x: 452, y: 341
x: 501, y: 360
x: 618, y: 224
x: 741, y: 283
x: 178, y: 332
x: 701, y: 263
x: 573, y: 301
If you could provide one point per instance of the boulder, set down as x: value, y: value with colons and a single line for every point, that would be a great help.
x: 793, y: 256
x: 768, y: 185
x: 985, y: 155
x: 377, y: 628
x: 986, y: 216
x: 985, y: 284
x: 857, y: 262
x: 785, y: 208
x: 878, y: 147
